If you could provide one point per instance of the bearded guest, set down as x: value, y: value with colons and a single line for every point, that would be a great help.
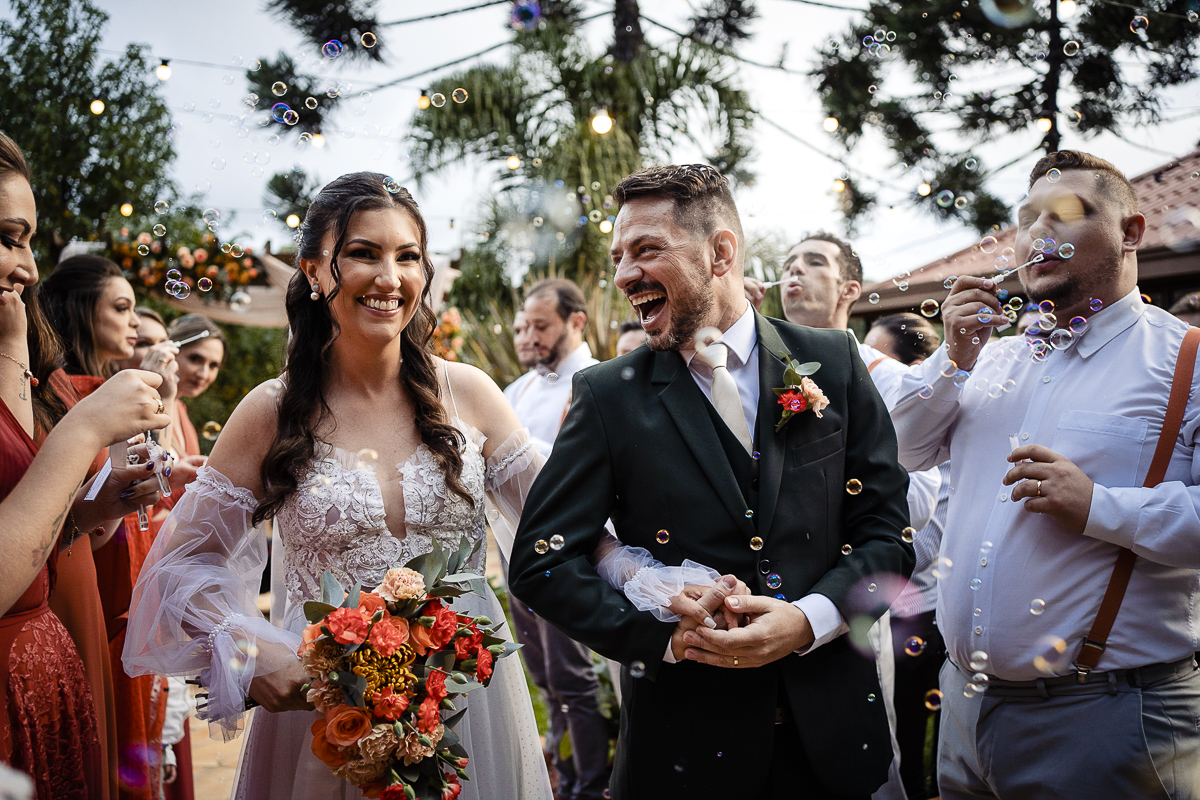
x: 690, y: 451
x: 548, y: 331
x: 1069, y: 612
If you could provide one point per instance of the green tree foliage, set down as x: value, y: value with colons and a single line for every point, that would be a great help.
x: 84, y: 165
x: 1096, y: 71
x: 290, y: 192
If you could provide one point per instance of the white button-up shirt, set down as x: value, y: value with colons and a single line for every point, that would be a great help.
x: 1018, y: 586
x: 541, y: 400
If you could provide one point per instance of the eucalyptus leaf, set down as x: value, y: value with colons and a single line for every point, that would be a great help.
x: 351, y: 600
x: 454, y: 719
x: 315, y: 611
x: 807, y: 368
x: 449, y: 738
x: 332, y: 591
x: 509, y: 649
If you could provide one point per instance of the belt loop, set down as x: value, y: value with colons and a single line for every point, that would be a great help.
x: 1112, y: 681
x: 1041, y: 687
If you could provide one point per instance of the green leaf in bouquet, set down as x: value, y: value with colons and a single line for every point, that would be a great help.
x: 443, y: 660
x: 447, y: 591
x: 449, y: 738
x: 351, y: 600
x: 807, y: 368
x: 315, y: 611
x: 459, y: 685
x: 332, y: 591
x: 454, y: 719
x: 431, y: 565
x: 409, y: 774
x: 509, y: 649
x: 459, y: 750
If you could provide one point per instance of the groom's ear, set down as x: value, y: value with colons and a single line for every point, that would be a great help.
x: 725, y: 252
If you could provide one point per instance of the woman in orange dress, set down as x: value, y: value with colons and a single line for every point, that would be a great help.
x: 48, y: 723
x: 90, y: 304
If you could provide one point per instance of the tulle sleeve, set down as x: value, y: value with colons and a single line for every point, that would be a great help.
x: 194, y: 608
x: 648, y: 583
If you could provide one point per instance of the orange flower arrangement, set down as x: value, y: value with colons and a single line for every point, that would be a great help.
x: 386, y: 664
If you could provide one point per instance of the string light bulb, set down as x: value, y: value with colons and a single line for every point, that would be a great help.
x: 126, y: 209
x: 97, y: 107
x: 924, y: 189
x: 830, y: 124
x: 1044, y: 124
x: 423, y: 100
x: 839, y: 186
x: 293, y: 221
x: 163, y: 70
x: 318, y: 141
x: 602, y: 123
x: 1067, y: 9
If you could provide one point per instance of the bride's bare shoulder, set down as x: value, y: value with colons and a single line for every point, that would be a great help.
x: 246, y: 437
x: 479, y: 401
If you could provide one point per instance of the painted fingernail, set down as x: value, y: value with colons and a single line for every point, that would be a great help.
x: 708, y: 622
x: 125, y: 495
x: 150, y: 467
x: 166, y: 472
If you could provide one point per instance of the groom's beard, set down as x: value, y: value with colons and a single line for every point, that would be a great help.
x: 691, y: 307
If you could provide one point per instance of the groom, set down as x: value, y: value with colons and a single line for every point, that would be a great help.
x: 679, y: 448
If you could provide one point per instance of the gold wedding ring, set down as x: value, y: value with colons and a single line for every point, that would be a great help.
x: 161, y: 407
x: 1039, y: 489
x: 735, y: 661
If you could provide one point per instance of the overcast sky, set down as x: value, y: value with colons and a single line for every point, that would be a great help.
x: 792, y: 193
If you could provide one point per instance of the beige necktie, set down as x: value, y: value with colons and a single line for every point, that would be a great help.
x: 725, y: 397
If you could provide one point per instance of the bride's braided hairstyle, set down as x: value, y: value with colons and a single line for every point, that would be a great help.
x: 312, y: 329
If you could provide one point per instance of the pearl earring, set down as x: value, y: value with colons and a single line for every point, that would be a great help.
x: 316, y: 294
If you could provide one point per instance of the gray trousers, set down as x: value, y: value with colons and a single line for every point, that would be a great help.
x: 1118, y: 742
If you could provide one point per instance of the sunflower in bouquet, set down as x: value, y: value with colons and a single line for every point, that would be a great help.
x: 386, y: 664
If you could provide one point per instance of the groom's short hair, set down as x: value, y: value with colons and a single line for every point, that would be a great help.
x: 701, y: 195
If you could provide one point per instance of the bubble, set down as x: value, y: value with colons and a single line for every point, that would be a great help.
x: 1051, y: 657
x: 161, y: 207
x: 979, y: 661
x: 211, y: 430
x: 914, y: 646
x: 907, y: 534
x: 942, y: 568
x: 459, y: 95
x: 173, y: 275
x: 627, y: 373
x: 552, y: 378
x: 1046, y: 306
x: 949, y: 282
x: 853, y: 486
x: 189, y: 106
x: 594, y: 215
x: 1096, y: 304
x: 204, y: 284
x: 1009, y: 385
x: 291, y: 117
x: 1037, y: 607
x: 960, y: 202
x: 240, y: 302
x: 391, y: 185
x: 368, y: 40
x: 847, y: 549
x: 1071, y: 48
x: 438, y: 100
x: 218, y: 163
x: 873, y: 299
x: 143, y: 250
x: 945, y: 197
x: 971, y: 164
x: 557, y: 542
x: 182, y: 290
x: 984, y: 316
x: 1139, y: 24
x: 1049, y: 246
x: 1061, y: 339
x: 975, y: 584
x: 925, y: 392
x: 331, y: 49
x: 541, y: 547
x: 933, y: 699
x: 1193, y: 16
x: 160, y: 230
x: 279, y: 88
x: 988, y: 244
x: 1054, y: 175
x: 637, y: 669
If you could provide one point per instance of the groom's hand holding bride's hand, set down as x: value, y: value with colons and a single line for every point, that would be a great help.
x: 775, y: 630
x: 705, y: 607
x: 282, y: 690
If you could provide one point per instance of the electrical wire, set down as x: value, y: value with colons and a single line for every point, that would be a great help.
x: 441, y: 14
x: 721, y: 50
x: 828, y: 5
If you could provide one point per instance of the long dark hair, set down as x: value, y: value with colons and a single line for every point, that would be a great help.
x: 190, y: 325
x: 913, y: 337
x: 45, y: 349
x: 302, y: 405
x: 70, y: 295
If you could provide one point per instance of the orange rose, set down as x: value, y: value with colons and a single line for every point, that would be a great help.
x: 401, y: 625
x: 421, y: 639
x: 346, y: 725
x: 311, y: 634
x: 370, y: 603
x: 322, y: 749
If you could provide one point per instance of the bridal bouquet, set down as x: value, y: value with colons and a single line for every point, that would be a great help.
x: 386, y: 663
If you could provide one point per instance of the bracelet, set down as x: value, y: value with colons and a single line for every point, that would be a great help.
x: 74, y: 535
x: 221, y: 627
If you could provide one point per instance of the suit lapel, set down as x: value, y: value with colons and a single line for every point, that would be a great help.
x: 684, y: 401
x: 770, y: 444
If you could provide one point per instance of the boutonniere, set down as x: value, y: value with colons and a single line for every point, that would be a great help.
x: 800, y: 393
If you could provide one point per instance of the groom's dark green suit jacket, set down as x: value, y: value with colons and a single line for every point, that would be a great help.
x: 643, y: 446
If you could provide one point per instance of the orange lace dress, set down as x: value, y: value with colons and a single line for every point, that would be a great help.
x: 48, y: 719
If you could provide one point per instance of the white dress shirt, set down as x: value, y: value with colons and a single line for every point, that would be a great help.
x: 541, y: 400
x: 742, y: 341
x: 1101, y: 403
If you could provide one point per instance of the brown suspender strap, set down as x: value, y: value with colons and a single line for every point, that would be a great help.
x: 1097, y: 639
x: 875, y: 363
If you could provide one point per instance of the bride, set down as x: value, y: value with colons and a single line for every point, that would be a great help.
x: 365, y: 452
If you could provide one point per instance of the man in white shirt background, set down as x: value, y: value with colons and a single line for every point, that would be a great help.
x: 822, y: 280
x: 548, y: 333
x: 1050, y: 446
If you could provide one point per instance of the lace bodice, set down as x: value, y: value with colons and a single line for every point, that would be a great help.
x: 335, y: 519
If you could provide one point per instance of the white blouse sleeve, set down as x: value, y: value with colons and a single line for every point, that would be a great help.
x: 194, y: 609
x: 646, y: 582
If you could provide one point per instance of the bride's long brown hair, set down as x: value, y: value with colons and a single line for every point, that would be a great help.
x: 302, y: 405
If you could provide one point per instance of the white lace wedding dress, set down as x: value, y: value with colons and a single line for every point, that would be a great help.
x: 194, y: 608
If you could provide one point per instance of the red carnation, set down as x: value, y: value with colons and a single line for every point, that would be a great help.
x: 793, y: 401
x: 428, y: 716
x: 388, y: 704
x: 348, y: 625
x: 465, y: 646
x: 393, y: 792
x: 435, y: 686
x: 483, y: 669
x: 452, y: 787
x: 444, y: 628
